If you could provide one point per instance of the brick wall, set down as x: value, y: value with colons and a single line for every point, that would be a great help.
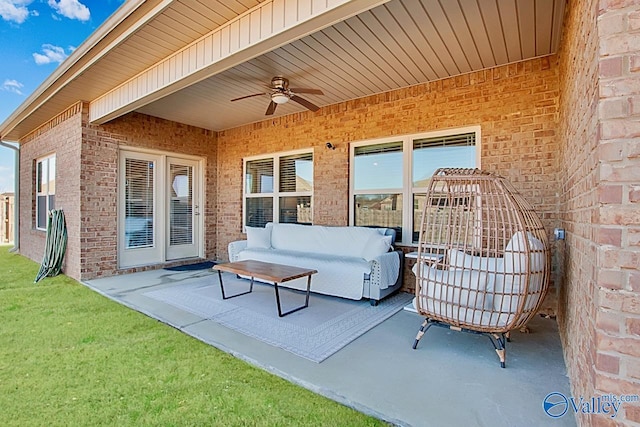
x: 617, y: 367
x: 578, y: 131
x: 515, y: 105
x: 600, y: 160
x: 62, y: 136
x: 99, y: 181
x: 86, y: 182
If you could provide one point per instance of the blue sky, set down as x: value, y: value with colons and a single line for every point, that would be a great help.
x: 35, y: 37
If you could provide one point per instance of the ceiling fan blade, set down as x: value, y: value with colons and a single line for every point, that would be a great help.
x: 248, y: 96
x: 305, y: 103
x: 271, y: 109
x: 310, y: 91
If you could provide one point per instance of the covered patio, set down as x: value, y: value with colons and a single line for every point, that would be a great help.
x: 169, y: 131
x: 452, y: 378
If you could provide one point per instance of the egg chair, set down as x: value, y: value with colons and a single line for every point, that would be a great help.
x: 483, y: 260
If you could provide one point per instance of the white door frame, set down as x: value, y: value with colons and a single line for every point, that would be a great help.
x: 136, y: 257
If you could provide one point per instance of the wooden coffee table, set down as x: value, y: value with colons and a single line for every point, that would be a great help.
x: 274, y: 273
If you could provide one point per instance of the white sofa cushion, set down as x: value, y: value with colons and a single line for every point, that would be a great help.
x: 258, y: 237
x: 340, y: 241
x: 337, y: 275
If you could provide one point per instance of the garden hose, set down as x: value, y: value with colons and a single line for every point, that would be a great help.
x: 55, y: 246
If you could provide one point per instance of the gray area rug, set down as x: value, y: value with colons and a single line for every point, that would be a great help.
x: 315, y: 333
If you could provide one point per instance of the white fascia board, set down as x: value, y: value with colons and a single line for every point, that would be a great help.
x: 57, y: 80
x: 269, y: 25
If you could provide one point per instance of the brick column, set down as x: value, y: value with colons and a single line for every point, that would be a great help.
x: 617, y: 362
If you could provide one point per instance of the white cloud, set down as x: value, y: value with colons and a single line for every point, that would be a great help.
x: 71, y: 9
x: 15, y: 10
x: 50, y: 53
x: 12, y: 86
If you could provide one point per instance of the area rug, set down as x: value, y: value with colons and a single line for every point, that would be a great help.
x: 315, y: 333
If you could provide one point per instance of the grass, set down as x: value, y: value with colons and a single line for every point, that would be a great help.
x: 69, y: 356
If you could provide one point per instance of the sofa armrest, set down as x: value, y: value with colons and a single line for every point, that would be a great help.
x: 385, y: 269
x: 235, y: 248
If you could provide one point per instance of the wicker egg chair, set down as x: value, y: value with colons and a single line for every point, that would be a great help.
x: 483, y: 259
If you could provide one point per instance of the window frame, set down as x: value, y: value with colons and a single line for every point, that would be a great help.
x: 276, y: 194
x: 408, y: 190
x: 47, y: 193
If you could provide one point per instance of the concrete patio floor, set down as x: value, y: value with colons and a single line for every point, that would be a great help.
x: 452, y: 379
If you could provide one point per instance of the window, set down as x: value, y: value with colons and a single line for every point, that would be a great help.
x: 45, y: 189
x: 389, y: 177
x: 278, y: 188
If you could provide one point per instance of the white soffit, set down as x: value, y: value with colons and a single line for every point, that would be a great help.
x: 398, y: 44
x: 265, y: 27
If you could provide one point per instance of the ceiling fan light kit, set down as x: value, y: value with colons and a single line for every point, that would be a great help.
x: 281, y: 94
x: 279, y: 98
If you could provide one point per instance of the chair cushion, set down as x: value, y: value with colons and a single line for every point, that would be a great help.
x: 460, y: 259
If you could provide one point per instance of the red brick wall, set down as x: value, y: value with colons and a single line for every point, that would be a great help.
x: 579, y: 161
x: 99, y: 181
x: 62, y: 136
x: 86, y: 181
x: 600, y: 160
x: 515, y: 105
x: 617, y: 367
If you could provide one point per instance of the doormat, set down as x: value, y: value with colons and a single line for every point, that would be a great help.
x: 191, y: 267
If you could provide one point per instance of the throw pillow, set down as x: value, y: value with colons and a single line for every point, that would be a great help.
x: 258, y: 237
x: 376, y: 246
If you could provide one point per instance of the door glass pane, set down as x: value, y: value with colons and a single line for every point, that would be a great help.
x: 139, y: 212
x: 379, y: 210
x: 259, y: 211
x: 296, y: 210
x: 181, y: 205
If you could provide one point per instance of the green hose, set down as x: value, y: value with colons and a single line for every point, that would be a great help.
x: 55, y: 246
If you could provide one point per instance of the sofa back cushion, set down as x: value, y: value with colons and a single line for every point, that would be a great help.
x: 360, y: 242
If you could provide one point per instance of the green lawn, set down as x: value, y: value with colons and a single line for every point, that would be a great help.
x: 69, y: 356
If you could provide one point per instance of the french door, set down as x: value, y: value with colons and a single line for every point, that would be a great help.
x: 159, y: 208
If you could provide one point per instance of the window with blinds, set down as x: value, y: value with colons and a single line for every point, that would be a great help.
x: 45, y: 189
x: 279, y: 188
x: 139, y: 203
x: 389, y: 178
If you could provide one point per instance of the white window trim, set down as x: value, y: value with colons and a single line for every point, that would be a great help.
x: 46, y: 158
x: 275, y: 195
x: 408, y: 189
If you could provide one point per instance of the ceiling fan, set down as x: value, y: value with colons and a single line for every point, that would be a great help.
x: 280, y: 93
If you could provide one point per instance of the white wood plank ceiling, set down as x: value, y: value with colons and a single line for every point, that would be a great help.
x: 398, y: 44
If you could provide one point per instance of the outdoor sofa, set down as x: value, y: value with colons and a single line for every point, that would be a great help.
x: 352, y: 262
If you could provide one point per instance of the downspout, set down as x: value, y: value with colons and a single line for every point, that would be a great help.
x: 16, y: 198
